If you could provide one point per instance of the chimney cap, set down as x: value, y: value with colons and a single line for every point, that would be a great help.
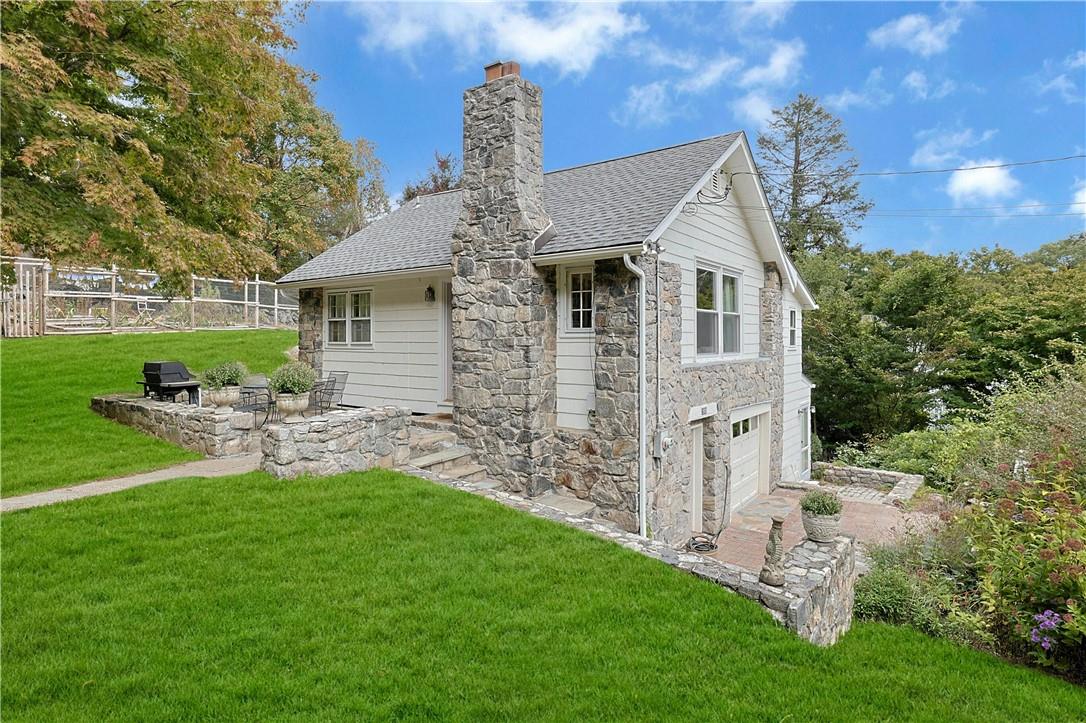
x: 500, y: 69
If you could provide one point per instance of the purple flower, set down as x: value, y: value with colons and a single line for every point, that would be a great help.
x: 1034, y: 636
x: 1048, y: 620
x: 1046, y: 643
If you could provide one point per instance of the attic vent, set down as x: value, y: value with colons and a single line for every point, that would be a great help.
x: 717, y: 184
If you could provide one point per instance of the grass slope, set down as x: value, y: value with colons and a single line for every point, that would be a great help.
x: 382, y: 596
x: 50, y: 436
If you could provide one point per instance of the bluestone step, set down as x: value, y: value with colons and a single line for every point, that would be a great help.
x: 569, y: 505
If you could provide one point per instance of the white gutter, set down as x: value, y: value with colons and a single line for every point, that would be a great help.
x: 374, y: 276
x: 566, y: 257
x: 642, y: 494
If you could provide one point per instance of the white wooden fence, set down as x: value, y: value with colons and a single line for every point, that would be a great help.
x: 39, y: 298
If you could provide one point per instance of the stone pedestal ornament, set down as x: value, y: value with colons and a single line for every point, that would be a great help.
x: 773, y: 571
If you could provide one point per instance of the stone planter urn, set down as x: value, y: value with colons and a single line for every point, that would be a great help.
x: 291, y: 406
x: 224, y: 397
x: 821, y: 528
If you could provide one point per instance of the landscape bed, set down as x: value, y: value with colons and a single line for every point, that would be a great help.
x: 379, y: 595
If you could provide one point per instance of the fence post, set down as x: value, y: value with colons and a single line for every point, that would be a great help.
x: 192, y: 301
x: 113, y: 297
x: 257, y: 301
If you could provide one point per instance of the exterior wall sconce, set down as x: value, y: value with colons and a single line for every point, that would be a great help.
x: 430, y: 295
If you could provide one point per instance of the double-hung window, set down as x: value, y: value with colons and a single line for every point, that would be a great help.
x: 350, y: 317
x: 337, y: 318
x: 361, y: 318
x: 579, y: 307
x: 793, y: 327
x: 718, y: 316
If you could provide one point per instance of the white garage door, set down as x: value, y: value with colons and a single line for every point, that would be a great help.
x: 746, y: 460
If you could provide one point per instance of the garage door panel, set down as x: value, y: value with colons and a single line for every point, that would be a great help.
x: 746, y: 457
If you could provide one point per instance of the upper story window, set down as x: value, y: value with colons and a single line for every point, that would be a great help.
x: 579, y: 296
x: 793, y: 327
x: 718, y: 316
x: 350, y: 317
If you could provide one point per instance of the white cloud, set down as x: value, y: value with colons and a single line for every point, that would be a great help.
x: 646, y: 105
x: 754, y: 108
x: 1061, y: 85
x: 917, y: 33
x: 658, y: 56
x: 1079, y: 197
x: 981, y: 184
x: 872, y: 95
x: 917, y: 85
x: 761, y: 12
x: 780, y: 69
x: 570, y: 37
x: 710, y: 74
x: 1076, y: 60
x: 943, y: 147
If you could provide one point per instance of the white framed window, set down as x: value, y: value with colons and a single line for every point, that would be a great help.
x: 336, y: 306
x: 349, y: 317
x: 361, y: 317
x: 793, y: 327
x: 578, y: 298
x: 719, y: 320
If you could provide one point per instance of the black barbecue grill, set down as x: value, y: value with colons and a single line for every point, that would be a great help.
x: 166, y: 379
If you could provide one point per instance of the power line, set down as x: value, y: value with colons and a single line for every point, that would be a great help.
x: 1011, y: 164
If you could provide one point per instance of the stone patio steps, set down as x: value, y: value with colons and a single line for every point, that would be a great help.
x: 467, y: 472
x: 569, y: 505
x: 424, y: 440
x: 443, y: 459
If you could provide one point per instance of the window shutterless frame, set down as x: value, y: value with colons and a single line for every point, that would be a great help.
x: 348, y: 317
x: 793, y: 327
x: 577, y: 300
x: 335, y: 311
x: 717, y: 307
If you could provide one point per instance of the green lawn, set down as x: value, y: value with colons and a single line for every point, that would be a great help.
x: 49, y: 435
x: 382, y: 596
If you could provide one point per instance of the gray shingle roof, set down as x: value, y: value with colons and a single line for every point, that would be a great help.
x: 595, y: 206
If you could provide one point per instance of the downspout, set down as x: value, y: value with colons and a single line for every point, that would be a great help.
x: 642, y: 495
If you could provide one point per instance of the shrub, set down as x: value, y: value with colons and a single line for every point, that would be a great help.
x: 292, y: 378
x: 228, y: 374
x: 820, y: 502
x: 852, y: 454
x: 1029, y: 540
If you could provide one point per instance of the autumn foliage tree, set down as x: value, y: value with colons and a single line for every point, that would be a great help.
x: 174, y: 136
x: 442, y: 176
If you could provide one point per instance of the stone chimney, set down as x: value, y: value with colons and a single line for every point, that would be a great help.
x: 503, y: 308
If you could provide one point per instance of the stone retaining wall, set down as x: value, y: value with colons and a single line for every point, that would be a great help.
x: 200, y: 429
x: 901, y: 486
x: 342, y: 440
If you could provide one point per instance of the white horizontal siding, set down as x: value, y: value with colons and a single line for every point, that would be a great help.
x: 797, y: 396
x: 718, y: 234
x: 575, y: 366
x: 403, y: 366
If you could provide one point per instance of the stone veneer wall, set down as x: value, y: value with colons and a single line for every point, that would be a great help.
x: 311, y: 327
x: 200, y: 429
x: 876, y: 478
x: 343, y: 440
x: 600, y: 464
x: 502, y: 322
x: 731, y: 384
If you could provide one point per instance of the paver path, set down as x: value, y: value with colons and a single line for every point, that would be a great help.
x: 743, y: 541
x: 218, y: 467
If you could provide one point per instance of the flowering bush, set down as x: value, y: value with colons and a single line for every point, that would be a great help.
x: 1029, y: 541
x: 228, y: 374
x: 292, y: 378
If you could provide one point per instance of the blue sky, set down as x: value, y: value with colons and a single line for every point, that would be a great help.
x: 918, y: 85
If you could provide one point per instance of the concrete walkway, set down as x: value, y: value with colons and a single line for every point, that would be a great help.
x: 218, y: 467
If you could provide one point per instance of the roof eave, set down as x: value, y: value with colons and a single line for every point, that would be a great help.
x: 372, y: 276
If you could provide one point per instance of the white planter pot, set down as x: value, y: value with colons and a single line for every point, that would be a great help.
x: 224, y: 398
x: 291, y: 406
x: 821, y: 528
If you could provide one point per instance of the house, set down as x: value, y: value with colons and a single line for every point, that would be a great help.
x: 628, y: 332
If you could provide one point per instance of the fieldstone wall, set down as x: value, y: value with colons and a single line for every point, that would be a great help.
x: 311, y: 327
x: 342, y: 440
x: 200, y: 429
x: 900, y: 486
x: 502, y: 317
x: 731, y: 384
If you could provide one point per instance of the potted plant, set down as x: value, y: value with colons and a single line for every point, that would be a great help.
x: 821, y: 515
x: 291, y: 384
x: 224, y: 384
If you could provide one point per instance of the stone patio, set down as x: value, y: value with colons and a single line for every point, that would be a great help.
x: 743, y: 542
